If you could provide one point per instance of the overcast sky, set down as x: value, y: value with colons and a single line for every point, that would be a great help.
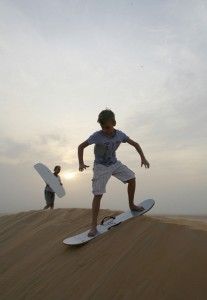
x: 62, y: 62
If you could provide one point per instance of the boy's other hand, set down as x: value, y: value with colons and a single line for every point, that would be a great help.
x: 82, y: 167
x: 145, y: 163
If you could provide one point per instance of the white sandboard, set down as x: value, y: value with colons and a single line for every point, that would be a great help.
x: 110, y: 223
x: 50, y: 179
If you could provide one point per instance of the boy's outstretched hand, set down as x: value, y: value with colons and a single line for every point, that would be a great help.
x: 82, y: 167
x: 145, y: 163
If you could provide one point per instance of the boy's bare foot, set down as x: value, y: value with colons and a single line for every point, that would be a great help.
x: 136, y: 207
x: 92, y: 232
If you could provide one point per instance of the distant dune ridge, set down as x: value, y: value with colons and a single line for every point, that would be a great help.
x: 144, y: 258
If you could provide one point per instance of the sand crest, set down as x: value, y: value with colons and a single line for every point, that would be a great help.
x: 147, y: 257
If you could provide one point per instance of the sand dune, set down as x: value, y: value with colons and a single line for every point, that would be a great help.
x: 144, y: 258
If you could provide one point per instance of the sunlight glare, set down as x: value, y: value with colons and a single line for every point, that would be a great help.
x: 69, y: 175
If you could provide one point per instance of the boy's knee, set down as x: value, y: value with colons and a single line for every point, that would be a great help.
x: 132, y: 180
x: 98, y: 197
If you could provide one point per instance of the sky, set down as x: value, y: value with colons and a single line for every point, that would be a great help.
x: 62, y: 62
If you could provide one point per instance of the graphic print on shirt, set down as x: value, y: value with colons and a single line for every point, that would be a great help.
x: 109, y: 151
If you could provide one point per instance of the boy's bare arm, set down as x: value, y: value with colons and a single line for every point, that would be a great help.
x: 141, y: 153
x: 81, y: 147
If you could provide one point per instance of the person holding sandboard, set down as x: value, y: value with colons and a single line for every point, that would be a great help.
x: 49, y: 193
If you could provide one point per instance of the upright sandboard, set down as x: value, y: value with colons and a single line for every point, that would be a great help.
x: 110, y: 223
x: 50, y: 179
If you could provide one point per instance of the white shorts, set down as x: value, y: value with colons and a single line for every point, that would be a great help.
x: 102, y: 174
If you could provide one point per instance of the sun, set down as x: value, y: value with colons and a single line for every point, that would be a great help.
x: 69, y: 175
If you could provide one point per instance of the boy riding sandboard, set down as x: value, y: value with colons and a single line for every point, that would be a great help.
x: 107, y: 141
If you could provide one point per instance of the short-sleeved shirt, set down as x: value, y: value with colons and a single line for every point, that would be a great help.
x: 106, y: 146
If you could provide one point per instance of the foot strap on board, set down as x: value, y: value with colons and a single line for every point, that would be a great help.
x: 107, y: 217
x: 110, y: 217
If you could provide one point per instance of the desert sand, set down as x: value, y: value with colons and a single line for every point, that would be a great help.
x: 147, y: 257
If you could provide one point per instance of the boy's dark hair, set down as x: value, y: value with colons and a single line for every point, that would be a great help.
x: 105, y: 116
x: 56, y: 167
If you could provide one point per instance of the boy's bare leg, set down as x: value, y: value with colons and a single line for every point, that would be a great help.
x: 131, y: 192
x: 95, y: 211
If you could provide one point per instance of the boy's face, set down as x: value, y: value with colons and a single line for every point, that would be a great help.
x: 108, y: 128
x: 57, y: 170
